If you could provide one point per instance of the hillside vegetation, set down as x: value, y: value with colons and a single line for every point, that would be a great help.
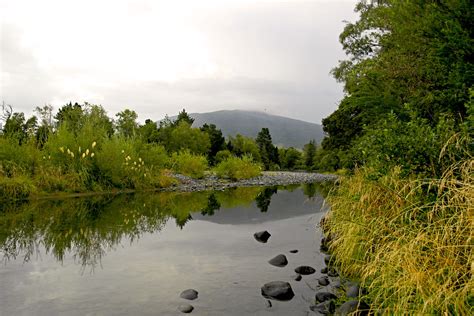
x: 401, y: 221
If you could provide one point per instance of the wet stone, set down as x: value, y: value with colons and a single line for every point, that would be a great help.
x: 294, y: 251
x: 262, y: 236
x: 324, y: 296
x: 328, y: 259
x: 353, y: 291
x: 278, y: 290
x: 305, y: 270
x: 278, y: 261
x: 185, y: 308
x: 268, y: 304
x: 332, y: 272
x: 323, y: 281
x: 297, y: 277
x: 189, y: 294
x: 324, y: 270
x: 325, y: 308
x: 351, y: 307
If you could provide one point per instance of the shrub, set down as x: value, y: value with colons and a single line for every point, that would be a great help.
x: 16, y: 188
x: 188, y: 164
x: 238, y: 168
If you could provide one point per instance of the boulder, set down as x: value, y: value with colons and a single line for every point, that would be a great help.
x: 189, y: 294
x: 332, y: 272
x: 323, y: 281
x: 305, y: 270
x: 353, y: 291
x: 354, y: 308
x: 297, y: 277
x: 278, y: 290
x: 325, y: 308
x: 185, y: 308
x: 262, y: 236
x: 324, y: 296
x: 294, y: 250
x: 278, y: 261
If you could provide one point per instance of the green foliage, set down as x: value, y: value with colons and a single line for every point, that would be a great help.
x: 16, y: 188
x: 127, y: 123
x: 268, y: 152
x: 222, y: 155
x: 217, y: 142
x: 184, y: 137
x: 242, y: 145
x: 236, y: 168
x: 290, y: 158
x: 309, y: 154
x: 186, y: 163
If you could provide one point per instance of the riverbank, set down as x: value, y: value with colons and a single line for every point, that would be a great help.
x: 267, y: 178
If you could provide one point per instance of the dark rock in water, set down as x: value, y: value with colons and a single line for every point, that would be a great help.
x: 294, y: 251
x: 328, y: 260
x: 351, y: 307
x: 324, y: 247
x: 305, y: 270
x: 189, y: 294
x: 332, y: 272
x: 262, y: 236
x: 268, y: 304
x: 323, y: 281
x: 353, y: 291
x: 324, y: 270
x: 325, y: 308
x: 278, y: 261
x: 324, y: 296
x: 185, y: 308
x: 297, y: 277
x: 278, y: 290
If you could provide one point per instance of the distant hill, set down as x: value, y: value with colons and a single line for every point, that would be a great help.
x: 285, y: 131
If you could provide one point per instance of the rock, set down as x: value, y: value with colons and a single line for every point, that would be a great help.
x: 336, y: 284
x: 278, y: 261
x: 332, y: 272
x: 305, y: 270
x: 324, y: 245
x: 278, y: 290
x: 325, y: 308
x: 324, y: 270
x: 323, y: 281
x: 324, y: 296
x: 353, y: 291
x: 297, y: 277
x: 268, y: 304
x: 328, y: 260
x: 262, y: 236
x: 185, y: 308
x: 294, y: 251
x: 351, y: 307
x: 189, y: 294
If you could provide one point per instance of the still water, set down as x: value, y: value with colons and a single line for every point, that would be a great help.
x: 134, y: 254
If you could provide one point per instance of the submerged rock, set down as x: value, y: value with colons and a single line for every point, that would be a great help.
x: 189, y: 294
x: 351, y: 307
x: 278, y: 290
x: 185, y: 308
x: 294, y: 250
x: 324, y: 270
x: 305, y: 270
x: 278, y: 261
x: 297, y: 277
x: 262, y: 236
x: 268, y: 304
x: 324, y: 296
x: 325, y: 308
x: 323, y: 281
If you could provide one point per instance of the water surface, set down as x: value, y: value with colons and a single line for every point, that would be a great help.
x: 134, y: 254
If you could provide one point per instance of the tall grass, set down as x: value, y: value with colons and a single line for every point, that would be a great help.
x: 410, y: 241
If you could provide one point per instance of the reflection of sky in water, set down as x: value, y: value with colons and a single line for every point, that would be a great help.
x: 219, y: 259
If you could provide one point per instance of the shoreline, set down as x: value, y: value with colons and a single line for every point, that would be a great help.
x: 209, y: 182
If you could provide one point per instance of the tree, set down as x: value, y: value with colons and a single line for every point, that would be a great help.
x: 149, y: 132
x: 127, y: 123
x: 268, y: 152
x: 290, y: 158
x: 183, y: 116
x: 183, y: 136
x: 72, y: 114
x: 309, y: 154
x: 242, y: 145
x: 216, y: 139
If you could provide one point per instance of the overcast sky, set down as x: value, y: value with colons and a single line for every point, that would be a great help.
x: 157, y: 56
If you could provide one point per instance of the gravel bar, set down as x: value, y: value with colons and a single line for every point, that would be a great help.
x: 268, y: 178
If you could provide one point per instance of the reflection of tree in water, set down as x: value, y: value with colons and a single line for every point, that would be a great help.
x: 263, y: 199
x: 309, y: 190
x: 180, y: 222
x: 212, y: 205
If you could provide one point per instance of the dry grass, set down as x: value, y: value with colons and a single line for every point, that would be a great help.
x: 409, y: 241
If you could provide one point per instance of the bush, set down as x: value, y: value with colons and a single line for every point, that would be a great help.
x: 16, y: 188
x: 188, y: 164
x: 238, y: 168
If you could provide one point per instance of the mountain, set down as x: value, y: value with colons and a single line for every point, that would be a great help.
x: 285, y: 131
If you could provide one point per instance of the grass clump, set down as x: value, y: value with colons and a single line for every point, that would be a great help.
x: 17, y: 188
x: 410, y: 241
x: 189, y: 164
x: 236, y: 168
